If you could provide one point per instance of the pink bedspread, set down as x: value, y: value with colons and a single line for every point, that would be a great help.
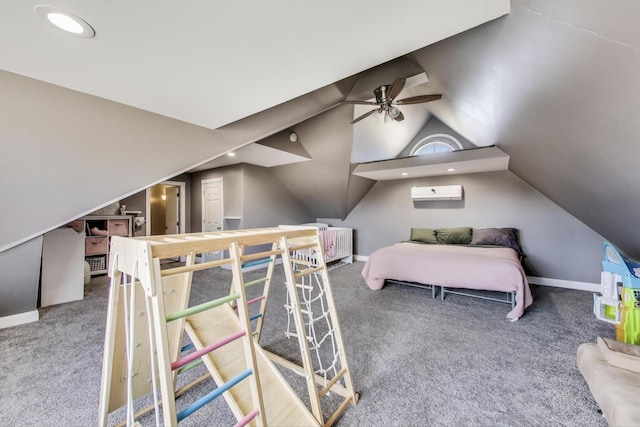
x: 451, y: 266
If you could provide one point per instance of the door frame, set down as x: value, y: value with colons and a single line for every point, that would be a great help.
x: 183, y: 205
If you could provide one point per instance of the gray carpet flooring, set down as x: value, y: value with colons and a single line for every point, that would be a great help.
x: 415, y: 361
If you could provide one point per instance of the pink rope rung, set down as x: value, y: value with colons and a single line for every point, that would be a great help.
x: 193, y: 356
x: 251, y: 301
x: 256, y: 299
x: 251, y: 415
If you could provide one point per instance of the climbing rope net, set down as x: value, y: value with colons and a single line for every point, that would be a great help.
x: 317, y: 323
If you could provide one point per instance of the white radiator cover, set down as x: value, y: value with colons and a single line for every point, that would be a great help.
x: 443, y: 192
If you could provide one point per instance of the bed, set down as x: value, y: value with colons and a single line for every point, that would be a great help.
x: 454, y: 263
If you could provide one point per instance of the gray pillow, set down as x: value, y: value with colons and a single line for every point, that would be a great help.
x: 507, y: 237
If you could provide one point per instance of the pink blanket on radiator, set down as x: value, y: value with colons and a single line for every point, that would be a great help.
x: 452, y: 266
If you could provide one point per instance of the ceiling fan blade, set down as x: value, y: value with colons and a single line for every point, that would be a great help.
x: 418, y: 99
x: 399, y: 117
x: 364, y: 116
x: 395, y: 88
x: 360, y: 102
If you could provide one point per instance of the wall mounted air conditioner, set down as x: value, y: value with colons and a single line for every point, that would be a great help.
x: 443, y: 192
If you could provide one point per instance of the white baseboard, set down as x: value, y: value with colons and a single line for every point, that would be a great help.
x: 569, y: 284
x: 360, y: 258
x: 19, y: 319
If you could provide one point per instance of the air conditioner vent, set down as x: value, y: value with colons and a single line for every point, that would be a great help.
x: 443, y: 192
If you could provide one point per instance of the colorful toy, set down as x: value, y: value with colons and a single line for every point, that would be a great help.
x: 149, y: 315
x: 619, y: 302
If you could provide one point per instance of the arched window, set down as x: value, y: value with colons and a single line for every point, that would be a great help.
x: 436, y: 143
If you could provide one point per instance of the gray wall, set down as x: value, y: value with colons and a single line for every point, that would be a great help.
x: 83, y: 152
x: 20, y: 278
x: 253, y: 193
x: 557, y: 245
x: 322, y: 183
x: 268, y: 203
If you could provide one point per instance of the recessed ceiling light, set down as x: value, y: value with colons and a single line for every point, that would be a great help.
x: 231, y: 154
x: 451, y: 170
x: 65, y: 21
x: 404, y: 173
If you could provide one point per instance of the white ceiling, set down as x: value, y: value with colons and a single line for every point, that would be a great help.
x: 213, y: 63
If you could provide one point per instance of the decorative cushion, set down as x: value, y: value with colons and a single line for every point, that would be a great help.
x: 620, y: 354
x: 424, y: 235
x: 497, y: 237
x: 454, y: 236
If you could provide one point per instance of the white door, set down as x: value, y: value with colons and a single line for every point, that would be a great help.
x: 212, y: 211
x: 172, y: 210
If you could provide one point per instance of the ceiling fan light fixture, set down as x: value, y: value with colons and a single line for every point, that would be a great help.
x: 393, y: 112
x: 385, y: 99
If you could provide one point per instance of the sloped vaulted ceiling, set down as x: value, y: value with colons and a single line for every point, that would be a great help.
x: 555, y: 85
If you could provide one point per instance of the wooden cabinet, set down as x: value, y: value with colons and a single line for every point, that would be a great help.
x: 98, y: 231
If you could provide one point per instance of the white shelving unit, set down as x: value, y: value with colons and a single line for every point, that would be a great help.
x: 98, y: 231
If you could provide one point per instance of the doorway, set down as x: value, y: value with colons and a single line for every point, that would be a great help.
x: 212, y: 211
x: 166, y: 208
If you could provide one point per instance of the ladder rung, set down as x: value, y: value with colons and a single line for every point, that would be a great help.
x: 195, y: 267
x: 212, y: 395
x: 308, y: 271
x: 190, y: 366
x: 307, y: 246
x: 303, y: 262
x: 257, y: 255
x: 301, y: 286
x: 290, y: 307
x: 202, y: 307
x: 293, y: 334
x: 255, y: 282
x: 333, y: 380
x: 205, y: 350
x: 339, y: 411
x: 247, y: 419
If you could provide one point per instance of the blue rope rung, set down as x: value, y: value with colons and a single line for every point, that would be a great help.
x: 255, y: 316
x: 187, y: 347
x: 256, y: 262
x: 212, y: 395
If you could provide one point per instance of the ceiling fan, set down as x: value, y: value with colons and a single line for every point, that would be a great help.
x: 386, y: 102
